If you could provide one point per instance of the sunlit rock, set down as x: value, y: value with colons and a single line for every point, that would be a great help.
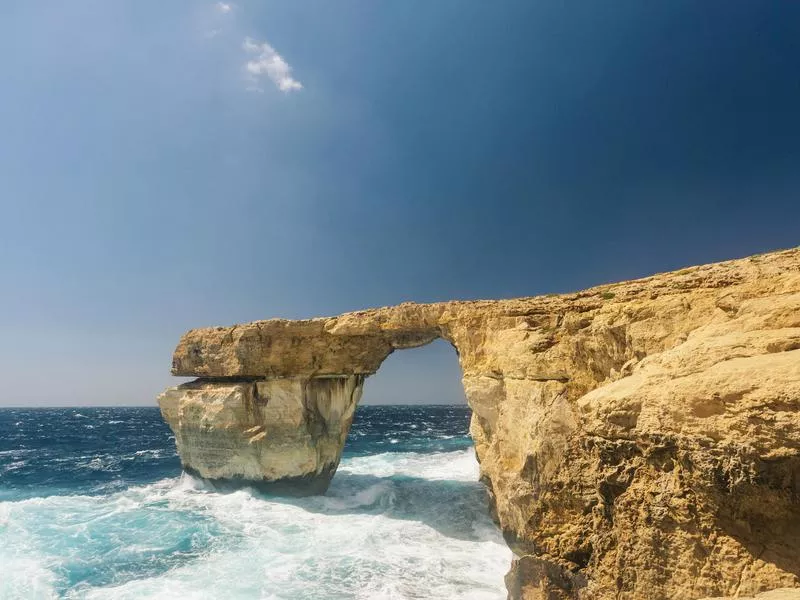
x: 283, y: 435
x: 640, y: 441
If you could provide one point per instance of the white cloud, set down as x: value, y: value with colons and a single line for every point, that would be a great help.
x: 268, y: 62
x: 224, y: 7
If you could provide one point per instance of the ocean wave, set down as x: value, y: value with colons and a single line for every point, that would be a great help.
x: 26, y: 578
x: 108, y: 515
x: 152, y: 453
x: 460, y: 465
x: 107, y: 463
x: 13, y: 466
x: 178, y: 537
x: 16, y: 452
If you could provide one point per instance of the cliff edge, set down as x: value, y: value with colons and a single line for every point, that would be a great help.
x: 640, y: 440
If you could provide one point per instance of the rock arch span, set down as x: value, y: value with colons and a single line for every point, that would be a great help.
x: 275, y: 399
x: 640, y: 440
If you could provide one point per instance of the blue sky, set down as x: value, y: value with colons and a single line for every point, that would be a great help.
x: 167, y: 165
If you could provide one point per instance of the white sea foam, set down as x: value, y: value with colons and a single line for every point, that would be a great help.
x: 23, y: 573
x: 25, y: 578
x: 392, y: 526
x: 156, y: 453
x: 13, y: 466
x: 460, y: 465
x: 17, y: 452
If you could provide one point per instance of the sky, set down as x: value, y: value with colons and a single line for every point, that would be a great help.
x: 169, y: 165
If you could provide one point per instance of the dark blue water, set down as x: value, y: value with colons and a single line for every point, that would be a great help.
x: 93, y: 504
x: 99, y: 450
x: 82, y: 450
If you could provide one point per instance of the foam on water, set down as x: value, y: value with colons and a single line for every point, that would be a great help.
x: 394, y: 525
x: 425, y: 534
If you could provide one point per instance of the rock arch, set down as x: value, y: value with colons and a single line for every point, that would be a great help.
x: 640, y: 440
x: 275, y: 399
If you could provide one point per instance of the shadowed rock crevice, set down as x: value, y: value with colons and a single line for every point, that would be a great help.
x: 638, y: 440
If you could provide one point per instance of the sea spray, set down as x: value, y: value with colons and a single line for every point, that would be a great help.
x: 404, y: 520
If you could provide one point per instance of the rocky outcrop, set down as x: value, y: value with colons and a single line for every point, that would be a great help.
x: 284, y: 435
x: 640, y: 440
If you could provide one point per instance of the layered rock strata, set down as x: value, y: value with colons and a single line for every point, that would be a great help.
x: 639, y: 440
x: 284, y: 435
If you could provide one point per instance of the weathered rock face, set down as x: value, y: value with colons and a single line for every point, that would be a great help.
x: 284, y: 434
x: 640, y: 440
x: 778, y: 594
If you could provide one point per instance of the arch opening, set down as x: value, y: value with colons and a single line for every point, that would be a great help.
x: 424, y: 375
x: 415, y: 402
x: 409, y: 461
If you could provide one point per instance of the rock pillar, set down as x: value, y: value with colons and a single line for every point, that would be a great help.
x: 283, y: 435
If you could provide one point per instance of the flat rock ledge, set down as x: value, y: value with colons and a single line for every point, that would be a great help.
x: 639, y: 440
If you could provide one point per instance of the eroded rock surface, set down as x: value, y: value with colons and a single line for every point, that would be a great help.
x: 640, y: 440
x: 778, y: 594
x: 284, y: 434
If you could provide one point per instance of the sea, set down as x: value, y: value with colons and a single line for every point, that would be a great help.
x: 93, y: 504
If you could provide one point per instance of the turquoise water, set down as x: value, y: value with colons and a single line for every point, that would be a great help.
x: 93, y: 504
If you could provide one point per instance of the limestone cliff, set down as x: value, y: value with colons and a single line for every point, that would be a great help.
x: 640, y: 440
x: 284, y: 434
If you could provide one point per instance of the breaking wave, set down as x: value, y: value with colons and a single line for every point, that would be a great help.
x: 394, y: 524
